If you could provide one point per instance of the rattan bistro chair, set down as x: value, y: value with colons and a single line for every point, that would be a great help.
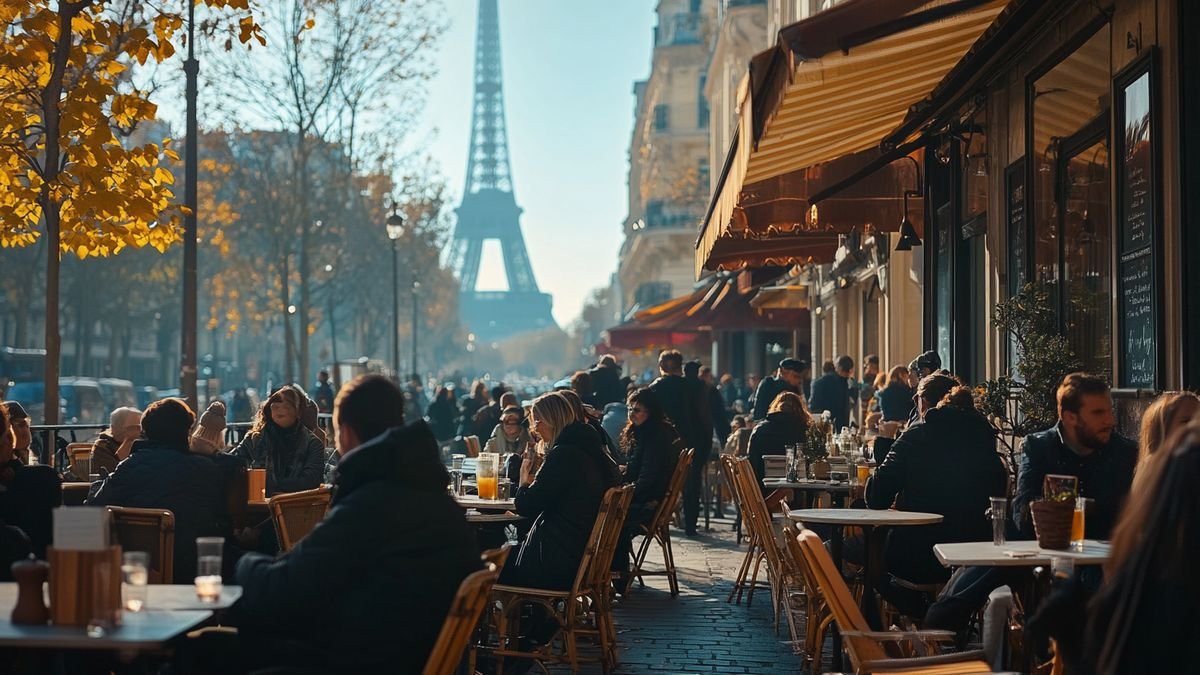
x: 744, y: 581
x: 659, y: 529
x: 880, y: 651
x: 149, y: 530
x: 582, y: 611
x: 76, y: 452
x: 817, y: 617
x: 295, y: 514
x: 465, y: 610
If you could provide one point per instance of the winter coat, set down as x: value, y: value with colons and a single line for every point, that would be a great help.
x: 948, y: 465
x: 773, y: 435
x: 687, y: 411
x: 606, y: 385
x: 294, y: 458
x: 563, y: 502
x: 768, y: 389
x: 499, y: 443
x: 652, y: 460
x: 370, y: 586
x: 28, y: 494
x: 443, y: 418
x: 104, y: 454
x: 193, y: 487
x: 895, y: 402
x: 831, y: 392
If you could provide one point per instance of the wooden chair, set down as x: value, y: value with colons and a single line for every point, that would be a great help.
x: 496, y: 556
x: 817, y: 616
x: 659, y: 529
x: 149, y: 530
x: 744, y: 581
x: 74, y: 494
x: 880, y: 651
x: 582, y: 611
x: 473, y: 447
x: 472, y: 597
x: 76, y: 452
x: 295, y: 514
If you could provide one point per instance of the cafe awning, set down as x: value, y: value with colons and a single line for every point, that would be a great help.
x: 781, y: 297
x: 813, y: 111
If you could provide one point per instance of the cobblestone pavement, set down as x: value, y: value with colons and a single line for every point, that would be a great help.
x: 699, y: 632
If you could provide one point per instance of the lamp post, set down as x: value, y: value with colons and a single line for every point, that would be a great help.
x: 395, y: 228
x: 187, y: 347
x: 337, y: 369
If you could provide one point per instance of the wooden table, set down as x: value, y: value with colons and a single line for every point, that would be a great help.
x: 871, y: 521
x: 837, y: 491
x: 172, y: 610
x: 987, y: 554
x: 505, y: 518
x: 474, y: 502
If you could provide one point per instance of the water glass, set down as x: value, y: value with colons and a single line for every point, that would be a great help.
x: 999, y: 511
x: 135, y: 574
x: 456, y: 462
x: 209, y: 551
x: 103, y: 616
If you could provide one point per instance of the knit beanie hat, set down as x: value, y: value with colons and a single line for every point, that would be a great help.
x: 208, y: 438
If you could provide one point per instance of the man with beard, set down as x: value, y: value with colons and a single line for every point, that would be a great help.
x: 1082, y: 444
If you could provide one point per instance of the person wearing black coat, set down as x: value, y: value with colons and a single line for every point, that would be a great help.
x: 786, y: 424
x: 947, y: 464
x: 162, y: 473
x: 369, y: 588
x: 28, y: 496
x: 687, y: 409
x: 280, y: 443
x: 788, y: 377
x: 832, y: 391
x: 896, y: 398
x: 443, y: 414
x: 606, y: 381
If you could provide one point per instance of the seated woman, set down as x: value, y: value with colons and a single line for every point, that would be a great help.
x: 653, y: 447
x: 292, y: 455
x: 895, y: 399
x: 946, y: 465
x: 786, y: 424
x: 510, y: 440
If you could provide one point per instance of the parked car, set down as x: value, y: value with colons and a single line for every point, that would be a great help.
x: 80, y: 400
x: 117, y: 393
x: 146, y: 396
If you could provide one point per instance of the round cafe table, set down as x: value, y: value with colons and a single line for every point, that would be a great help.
x: 871, y: 521
x: 838, y: 492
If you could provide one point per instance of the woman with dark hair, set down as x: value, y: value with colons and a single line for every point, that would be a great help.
x: 292, y: 455
x: 786, y: 424
x: 947, y: 465
x: 443, y: 414
x: 896, y: 397
x: 472, y: 404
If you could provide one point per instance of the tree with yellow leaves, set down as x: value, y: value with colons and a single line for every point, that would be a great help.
x: 66, y: 102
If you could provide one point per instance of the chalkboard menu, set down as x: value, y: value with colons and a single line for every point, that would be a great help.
x: 1018, y: 238
x: 1137, y: 227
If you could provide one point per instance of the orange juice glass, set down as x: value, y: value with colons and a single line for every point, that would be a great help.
x: 487, y: 469
x: 1077, y: 523
x: 486, y: 487
x: 864, y: 472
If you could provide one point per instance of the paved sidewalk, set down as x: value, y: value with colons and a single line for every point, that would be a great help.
x: 699, y: 632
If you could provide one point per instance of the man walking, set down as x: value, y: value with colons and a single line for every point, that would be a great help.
x: 789, y: 376
x: 688, y: 412
x: 832, y: 391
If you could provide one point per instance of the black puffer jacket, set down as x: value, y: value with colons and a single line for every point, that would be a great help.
x: 772, y: 435
x: 294, y: 458
x: 563, y: 501
x: 948, y: 465
x: 369, y: 588
x: 193, y: 487
x: 652, y: 461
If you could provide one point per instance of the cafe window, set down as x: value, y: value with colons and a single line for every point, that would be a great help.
x: 1071, y: 220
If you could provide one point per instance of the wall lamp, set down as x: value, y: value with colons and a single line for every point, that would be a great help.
x: 908, y: 233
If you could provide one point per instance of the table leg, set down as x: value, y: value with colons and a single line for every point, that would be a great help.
x: 872, y: 565
x: 835, y: 552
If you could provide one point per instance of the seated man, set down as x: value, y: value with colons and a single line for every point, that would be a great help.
x: 1082, y: 444
x: 369, y: 588
x: 28, y: 494
x: 114, y: 443
x: 162, y: 473
x: 22, y: 435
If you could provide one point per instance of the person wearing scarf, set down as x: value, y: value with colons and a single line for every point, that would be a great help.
x: 279, y: 442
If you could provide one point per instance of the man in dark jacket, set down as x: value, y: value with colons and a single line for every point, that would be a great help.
x: 832, y: 391
x: 369, y: 588
x: 606, y: 381
x: 716, y: 406
x: 161, y: 473
x: 688, y: 411
x: 788, y: 377
x: 28, y: 495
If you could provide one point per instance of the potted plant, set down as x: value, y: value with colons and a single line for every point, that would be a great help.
x: 815, y: 449
x: 1053, y: 513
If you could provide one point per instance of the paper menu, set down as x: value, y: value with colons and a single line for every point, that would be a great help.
x: 81, y: 528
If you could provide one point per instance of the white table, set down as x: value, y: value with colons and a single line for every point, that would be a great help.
x: 987, y: 554
x: 474, y: 502
x: 171, y: 610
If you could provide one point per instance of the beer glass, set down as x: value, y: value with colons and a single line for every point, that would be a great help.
x: 999, y: 512
x: 1077, y: 524
x: 487, y: 469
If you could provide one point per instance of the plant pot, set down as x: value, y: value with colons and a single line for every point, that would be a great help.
x: 820, y: 470
x: 1052, y: 523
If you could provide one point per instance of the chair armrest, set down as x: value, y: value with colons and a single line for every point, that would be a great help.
x: 523, y: 590
x: 900, y: 635
x: 972, y: 662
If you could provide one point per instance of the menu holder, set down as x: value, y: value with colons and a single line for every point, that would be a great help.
x: 84, y: 585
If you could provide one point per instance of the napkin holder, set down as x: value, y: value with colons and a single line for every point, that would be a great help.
x: 84, y: 585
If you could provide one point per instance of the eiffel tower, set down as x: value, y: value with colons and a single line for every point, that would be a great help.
x: 489, y: 210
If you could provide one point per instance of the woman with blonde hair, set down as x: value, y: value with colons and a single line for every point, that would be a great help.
x: 1173, y: 410
x: 896, y: 397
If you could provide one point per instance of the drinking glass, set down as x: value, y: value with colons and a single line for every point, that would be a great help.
x: 102, y: 617
x: 208, y: 567
x: 135, y: 574
x: 456, y: 462
x: 1062, y: 567
x: 999, y: 511
x: 864, y: 472
x: 487, y: 469
x: 1077, y: 524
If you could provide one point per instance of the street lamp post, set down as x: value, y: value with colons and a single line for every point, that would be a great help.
x: 395, y: 228
x: 337, y: 377
x: 187, y: 347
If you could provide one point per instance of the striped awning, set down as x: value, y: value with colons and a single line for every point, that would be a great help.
x: 822, y: 101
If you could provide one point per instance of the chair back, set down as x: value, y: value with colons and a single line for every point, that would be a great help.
x: 74, y: 494
x: 609, y: 505
x: 496, y: 556
x: 460, y: 621
x: 600, y: 573
x: 472, y: 443
x: 76, y: 452
x: 149, y: 530
x: 774, y: 466
x: 755, y: 513
x: 666, y: 507
x: 833, y: 588
x: 295, y: 514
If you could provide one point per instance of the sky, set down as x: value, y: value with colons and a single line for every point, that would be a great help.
x: 569, y: 68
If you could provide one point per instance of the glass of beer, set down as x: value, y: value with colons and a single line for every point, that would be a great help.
x: 487, y: 469
x: 864, y: 472
x: 1077, y: 523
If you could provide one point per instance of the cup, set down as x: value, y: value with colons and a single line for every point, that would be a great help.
x: 1061, y: 567
x: 999, y: 512
x: 487, y: 470
x: 209, y: 551
x: 1077, y: 524
x: 102, y: 612
x: 864, y: 472
x: 135, y: 574
x: 456, y: 462
x: 256, y: 482
x: 504, y: 489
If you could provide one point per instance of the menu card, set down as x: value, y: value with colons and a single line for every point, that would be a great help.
x: 81, y: 528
